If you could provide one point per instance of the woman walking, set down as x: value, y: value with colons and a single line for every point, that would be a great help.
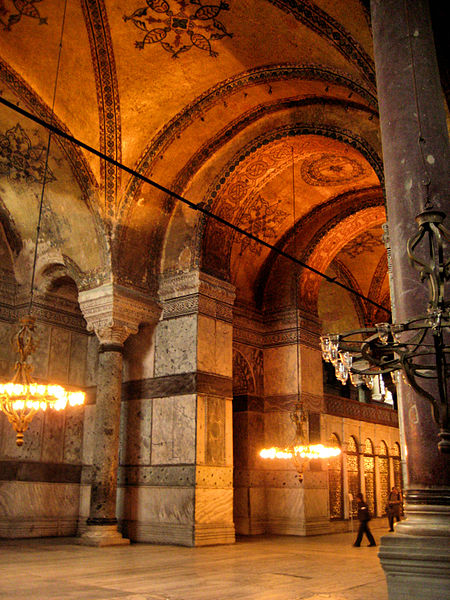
x: 364, y: 518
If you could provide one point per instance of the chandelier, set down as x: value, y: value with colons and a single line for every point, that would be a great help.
x: 300, y: 450
x: 21, y: 398
x: 416, y: 349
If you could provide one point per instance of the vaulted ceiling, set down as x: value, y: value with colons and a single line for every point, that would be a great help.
x: 262, y: 112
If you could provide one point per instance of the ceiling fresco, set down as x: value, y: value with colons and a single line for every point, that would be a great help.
x: 261, y: 111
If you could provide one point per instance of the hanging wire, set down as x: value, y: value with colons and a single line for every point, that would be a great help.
x: 47, y: 153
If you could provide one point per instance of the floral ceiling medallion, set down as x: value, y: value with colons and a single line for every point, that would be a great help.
x: 11, y: 12
x: 179, y: 25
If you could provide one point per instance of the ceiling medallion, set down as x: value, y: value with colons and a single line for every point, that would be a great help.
x: 329, y: 169
x: 179, y: 25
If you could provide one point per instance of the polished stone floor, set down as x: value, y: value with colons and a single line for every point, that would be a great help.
x: 260, y: 568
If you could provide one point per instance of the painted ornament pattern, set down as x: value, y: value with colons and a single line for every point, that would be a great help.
x: 12, y: 11
x: 179, y: 25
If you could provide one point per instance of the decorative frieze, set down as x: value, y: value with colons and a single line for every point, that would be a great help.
x: 196, y: 293
x: 352, y: 409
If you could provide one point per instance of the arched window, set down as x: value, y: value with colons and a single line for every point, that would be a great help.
x: 353, y: 473
x: 383, y: 465
x: 335, y: 481
x: 369, y: 476
x: 397, y: 466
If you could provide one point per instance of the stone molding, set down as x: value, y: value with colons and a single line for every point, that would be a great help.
x: 169, y: 386
x: 114, y: 312
x: 66, y: 317
x: 11, y: 470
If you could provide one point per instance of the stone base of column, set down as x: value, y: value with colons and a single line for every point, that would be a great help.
x: 416, y: 558
x: 416, y: 568
x: 102, y: 535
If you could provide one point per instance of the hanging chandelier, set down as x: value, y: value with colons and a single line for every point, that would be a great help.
x: 21, y: 398
x: 299, y: 450
x: 417, y: 349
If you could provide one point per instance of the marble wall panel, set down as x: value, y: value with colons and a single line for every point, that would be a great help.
x: 285, y: 504
x: 279, y: 430
x: 53, y: 436
x: 73, y: 437
x: 135, y: 432
x: 21, y: 499
x: 207, y: 344
x: 215, y: 340
x: 176, y: 346
x: 31, y: 449
x: 59, y: 355
x: 258, y: 503
x: 40, y: 359
x: 316, y: 504
x: 215, y: 431
x: 213, y: 506
x: 311, y: 370
x: 173, y: 430
x: 156, y: 504
x: 139, y: 354
x: 280, y: 370
x: 77, y: 363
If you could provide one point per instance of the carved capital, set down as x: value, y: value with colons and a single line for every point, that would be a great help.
x: 114, y: 312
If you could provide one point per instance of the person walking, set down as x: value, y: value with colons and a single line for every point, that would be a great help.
x: 394, y: 506
x: 364, y: 518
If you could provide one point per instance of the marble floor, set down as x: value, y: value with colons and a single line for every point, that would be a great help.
x: 260, y: 568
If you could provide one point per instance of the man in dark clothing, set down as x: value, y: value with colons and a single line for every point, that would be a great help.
x: 394, y: 507
x: 364, y: 518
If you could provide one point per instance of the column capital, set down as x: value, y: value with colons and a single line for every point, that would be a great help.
x: 114, y: 312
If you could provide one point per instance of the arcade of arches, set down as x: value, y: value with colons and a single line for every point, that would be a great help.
x: 182, y: 331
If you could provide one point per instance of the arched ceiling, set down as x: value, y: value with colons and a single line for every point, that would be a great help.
x: 263, y: 111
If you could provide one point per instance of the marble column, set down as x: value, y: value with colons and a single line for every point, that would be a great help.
x: 113, y: 313
x: 416, y: 159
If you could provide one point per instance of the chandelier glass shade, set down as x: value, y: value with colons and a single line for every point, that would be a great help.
x: 416, y: 349
x: 21, y: 398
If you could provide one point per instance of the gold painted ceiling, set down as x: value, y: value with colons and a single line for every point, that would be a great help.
x: 263, y: 112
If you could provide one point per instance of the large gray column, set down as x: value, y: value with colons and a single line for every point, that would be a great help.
x: 113, y: 313
x: 416, y: 164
